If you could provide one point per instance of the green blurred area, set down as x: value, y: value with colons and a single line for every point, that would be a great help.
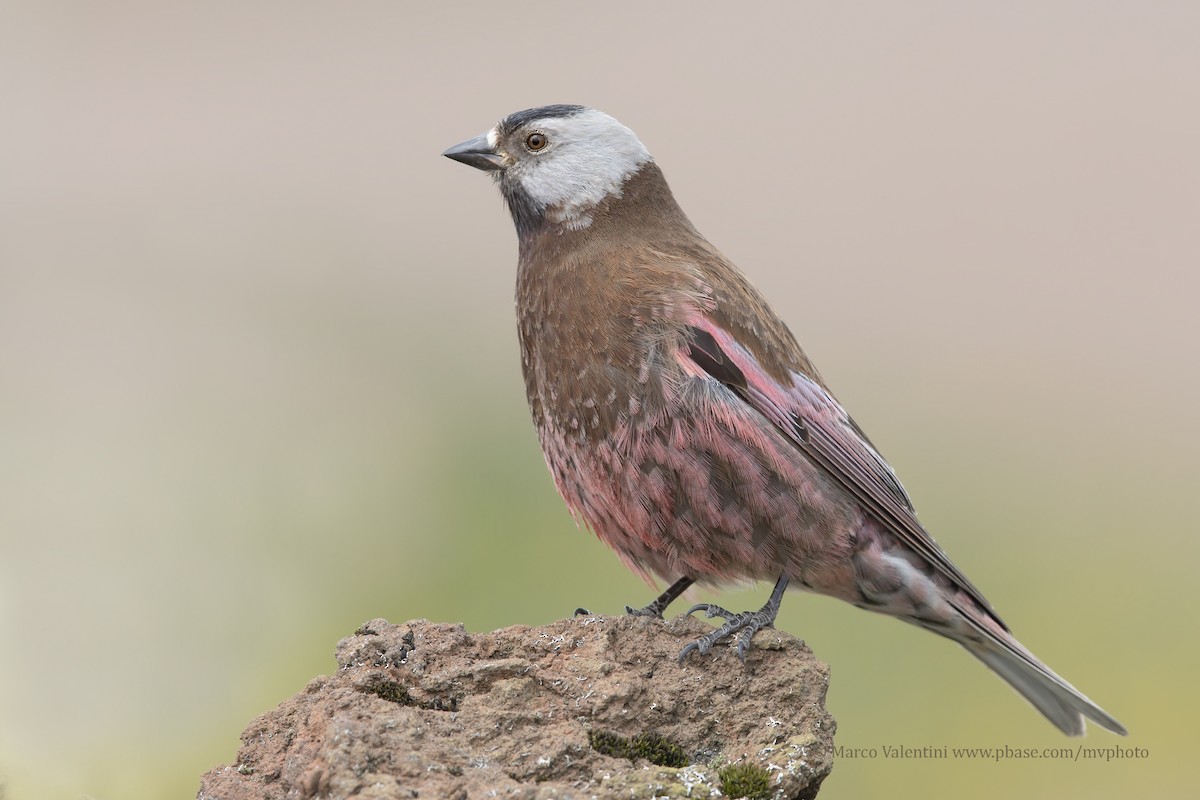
x: 259, y: 378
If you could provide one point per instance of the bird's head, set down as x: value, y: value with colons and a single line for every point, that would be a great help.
x: 555, y: 164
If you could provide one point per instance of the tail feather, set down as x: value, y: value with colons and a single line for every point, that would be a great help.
x: 1059, y: 701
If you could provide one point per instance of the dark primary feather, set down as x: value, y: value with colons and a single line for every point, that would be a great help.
x: 704, y: 350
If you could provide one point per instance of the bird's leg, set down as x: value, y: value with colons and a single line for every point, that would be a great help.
x: 745, y: 624
x: 656, y: 608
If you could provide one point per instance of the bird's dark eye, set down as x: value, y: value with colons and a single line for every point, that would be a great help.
x: 536, y: 141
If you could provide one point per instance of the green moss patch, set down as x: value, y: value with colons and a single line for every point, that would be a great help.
x: 652, y: 747
x: 745, y: 780
x: 389, y: 690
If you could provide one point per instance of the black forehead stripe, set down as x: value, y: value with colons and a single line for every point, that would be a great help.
x: 514, y: 121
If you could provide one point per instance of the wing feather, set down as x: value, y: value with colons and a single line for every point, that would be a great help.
x: 818, y: 426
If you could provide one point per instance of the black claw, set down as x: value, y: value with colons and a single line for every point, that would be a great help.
x: 746, y: 637
x: 704, y: 643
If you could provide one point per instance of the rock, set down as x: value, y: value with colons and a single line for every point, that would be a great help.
x: 590, y: 707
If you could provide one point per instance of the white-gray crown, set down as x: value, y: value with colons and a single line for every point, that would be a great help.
x: 587, y: 157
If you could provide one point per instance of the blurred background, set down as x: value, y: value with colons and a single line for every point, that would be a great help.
x: 259, y: 378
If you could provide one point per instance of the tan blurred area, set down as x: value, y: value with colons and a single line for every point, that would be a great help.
x: 259, y: 379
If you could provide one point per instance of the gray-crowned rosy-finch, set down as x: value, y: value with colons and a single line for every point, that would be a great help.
x: 683, y: 423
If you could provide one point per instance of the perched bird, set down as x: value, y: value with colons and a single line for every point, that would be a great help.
x: 683, y: 423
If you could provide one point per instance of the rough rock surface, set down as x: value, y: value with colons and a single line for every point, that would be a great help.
x: 590, y: 707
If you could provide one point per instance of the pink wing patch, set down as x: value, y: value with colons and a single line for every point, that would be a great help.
x: 821, y: 429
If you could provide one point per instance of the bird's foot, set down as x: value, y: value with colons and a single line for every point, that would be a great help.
x: 660, y: 603
x: 744, y: 624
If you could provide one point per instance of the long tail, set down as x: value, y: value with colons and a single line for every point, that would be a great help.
x: 1059, y: 701
x: 895, y: 579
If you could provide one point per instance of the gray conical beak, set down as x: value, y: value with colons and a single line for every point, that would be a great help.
x: 476, y: 153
